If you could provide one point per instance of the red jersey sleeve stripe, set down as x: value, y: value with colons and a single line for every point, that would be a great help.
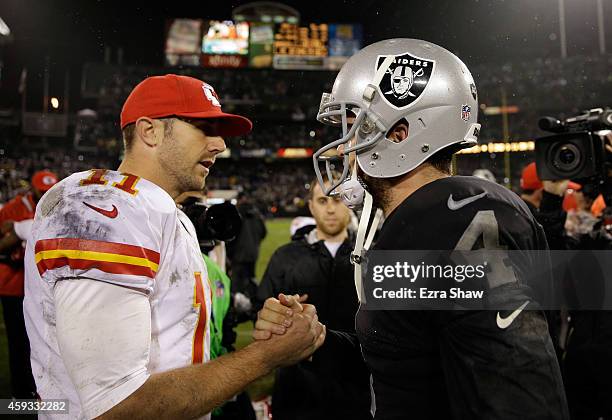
x: 77, y: 244
x: 107, y: 267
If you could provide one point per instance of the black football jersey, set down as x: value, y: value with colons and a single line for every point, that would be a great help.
x: 461, y: 364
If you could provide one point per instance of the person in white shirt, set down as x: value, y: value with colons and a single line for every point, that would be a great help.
x: 117, y: 299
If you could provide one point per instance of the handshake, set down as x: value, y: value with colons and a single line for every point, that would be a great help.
x: 288, y: 330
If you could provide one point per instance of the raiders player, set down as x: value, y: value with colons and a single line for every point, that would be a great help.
x: 436, y: 364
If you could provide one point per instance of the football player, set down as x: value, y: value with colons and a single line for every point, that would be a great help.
x: 117, y: 300
x: 396, y: 155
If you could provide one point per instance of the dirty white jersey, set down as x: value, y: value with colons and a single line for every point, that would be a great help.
x: 122, y: 230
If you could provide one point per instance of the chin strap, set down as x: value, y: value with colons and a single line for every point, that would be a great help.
x: 351, y: 191
x: 363, y: 243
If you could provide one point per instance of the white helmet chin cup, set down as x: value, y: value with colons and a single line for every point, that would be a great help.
x: 383, y: 84
x: 351, y: 192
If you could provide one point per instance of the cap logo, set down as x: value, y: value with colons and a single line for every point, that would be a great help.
x: 48, y: 180
x: 405, y: 79
x: 210, y: 94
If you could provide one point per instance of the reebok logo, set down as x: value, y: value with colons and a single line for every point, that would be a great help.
x: 108, y: 213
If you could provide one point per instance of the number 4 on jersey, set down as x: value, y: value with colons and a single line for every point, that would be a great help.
x: 484, y: 225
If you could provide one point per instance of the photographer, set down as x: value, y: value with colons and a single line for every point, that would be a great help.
x: 545, y: 199
x: 581, y: 152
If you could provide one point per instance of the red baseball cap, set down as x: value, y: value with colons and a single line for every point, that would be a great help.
x: 530, y: 179
x: 183, y: 96
x: 44, y: 180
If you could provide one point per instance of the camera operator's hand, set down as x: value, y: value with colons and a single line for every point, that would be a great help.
x: 556, y: 187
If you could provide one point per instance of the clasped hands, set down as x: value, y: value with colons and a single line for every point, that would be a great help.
x: 290, y: 315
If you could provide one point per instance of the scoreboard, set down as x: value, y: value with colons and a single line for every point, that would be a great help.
x: 313, y: 46
x: 311, y: 40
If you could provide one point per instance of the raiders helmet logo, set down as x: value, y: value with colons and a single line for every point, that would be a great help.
x: 405, y: 79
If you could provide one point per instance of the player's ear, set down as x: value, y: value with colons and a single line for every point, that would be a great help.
x: 147, y: 131
x: 399, y: 132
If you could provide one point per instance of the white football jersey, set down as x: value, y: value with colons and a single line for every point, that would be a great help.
x: 120, y: 229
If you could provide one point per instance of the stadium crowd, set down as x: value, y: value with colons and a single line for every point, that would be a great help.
x: 284, y: 115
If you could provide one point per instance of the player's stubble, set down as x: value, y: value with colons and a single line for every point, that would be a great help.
x: 179, y: 164
x: 379, y: 188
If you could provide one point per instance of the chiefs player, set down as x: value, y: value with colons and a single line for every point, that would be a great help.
x: 117, y: 296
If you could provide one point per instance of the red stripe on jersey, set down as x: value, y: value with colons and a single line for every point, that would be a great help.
x: 97, y: 246
x: 107, y: 267
x: 200, y: 332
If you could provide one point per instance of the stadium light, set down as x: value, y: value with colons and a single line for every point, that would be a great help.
x: 54, y: 103
x: 4, y: 29
x: 562, y: 28
x: 601, y: 28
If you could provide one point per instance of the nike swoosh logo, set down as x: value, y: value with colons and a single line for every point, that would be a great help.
x: 108, y: 213
x: 456, y: 205
x: 504, y: 323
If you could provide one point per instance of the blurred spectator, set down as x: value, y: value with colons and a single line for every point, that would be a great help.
x: 316, y: 265
x: 580, y: 220
x: 15, y: 220
x: 532, y: 187
x: 244, y: 250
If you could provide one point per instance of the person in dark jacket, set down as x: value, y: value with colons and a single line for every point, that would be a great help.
x: 586, y: 358
x: 316, y: 265
x: 545, y: 200
x: 244, y: 250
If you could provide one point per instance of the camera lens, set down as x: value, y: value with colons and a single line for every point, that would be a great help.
x: 566, y: 157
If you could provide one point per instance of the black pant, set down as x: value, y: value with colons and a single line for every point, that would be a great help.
x: 22, y: 382
x: 239, y: 409
x: 588, y: 365
x: 242, y: 277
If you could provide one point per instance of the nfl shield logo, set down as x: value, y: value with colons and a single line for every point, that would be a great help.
x: 466, y: 110
x: 219, y: 289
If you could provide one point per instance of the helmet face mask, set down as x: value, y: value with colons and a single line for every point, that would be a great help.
x: 391, y: 81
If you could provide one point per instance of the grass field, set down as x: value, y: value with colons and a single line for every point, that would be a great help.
x: 278, y: 234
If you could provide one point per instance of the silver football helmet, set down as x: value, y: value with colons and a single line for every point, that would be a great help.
x: 382, y: 84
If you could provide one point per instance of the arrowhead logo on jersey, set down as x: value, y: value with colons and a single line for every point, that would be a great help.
x: 210, y: 94
x: 405, y: 79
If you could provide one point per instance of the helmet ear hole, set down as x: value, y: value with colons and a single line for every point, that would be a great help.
x: 399, y: 132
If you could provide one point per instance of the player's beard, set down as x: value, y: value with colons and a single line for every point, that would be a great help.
x: 178, y: 165
x: 379, y: 188
x: 334, y: 229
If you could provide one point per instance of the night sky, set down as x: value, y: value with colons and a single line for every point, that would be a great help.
x: 479, y: 31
